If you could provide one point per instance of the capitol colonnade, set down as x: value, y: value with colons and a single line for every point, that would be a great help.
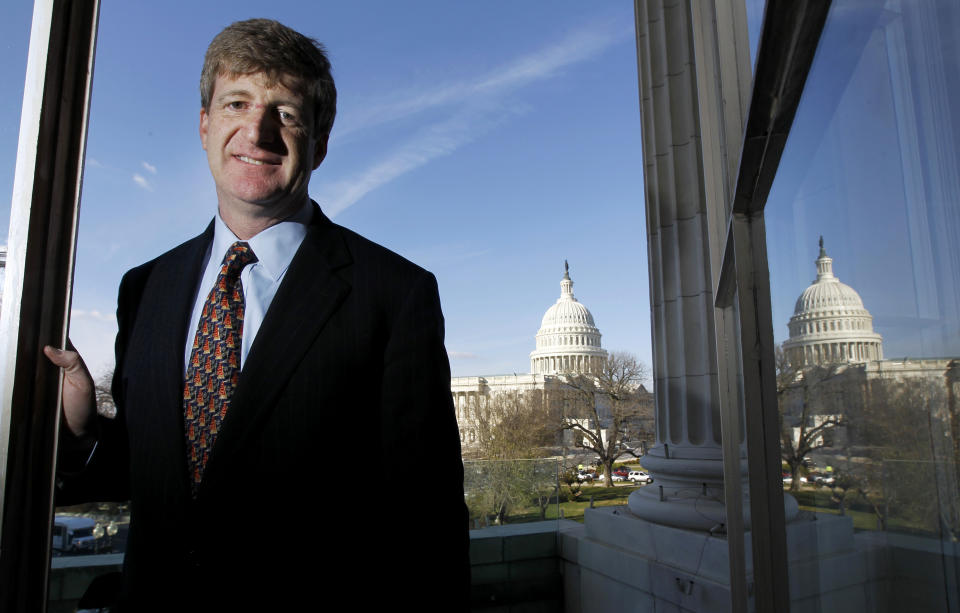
x: 819, y: 353
x: 467, y: 403
x: 566, y: 363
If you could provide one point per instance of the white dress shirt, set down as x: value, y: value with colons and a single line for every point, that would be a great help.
x: 274, y: 248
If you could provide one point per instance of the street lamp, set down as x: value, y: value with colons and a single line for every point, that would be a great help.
x: 97, y: 535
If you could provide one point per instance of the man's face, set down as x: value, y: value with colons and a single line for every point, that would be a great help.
x: 261, y: 146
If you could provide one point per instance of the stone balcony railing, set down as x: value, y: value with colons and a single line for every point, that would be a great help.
x: 617, y: 562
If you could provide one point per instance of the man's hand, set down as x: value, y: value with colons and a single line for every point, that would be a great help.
x: 79, y: 399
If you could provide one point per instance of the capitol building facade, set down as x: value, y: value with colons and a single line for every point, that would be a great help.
x: 830, y: 323
x: 568, y: 342
x: 831, y: 330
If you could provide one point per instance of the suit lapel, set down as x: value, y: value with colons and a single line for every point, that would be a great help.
x: 311, y: 292
x: 163, y: 317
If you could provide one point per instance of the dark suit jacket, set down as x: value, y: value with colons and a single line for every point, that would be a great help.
x: 310, y: 488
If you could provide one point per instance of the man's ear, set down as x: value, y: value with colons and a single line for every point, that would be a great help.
x: 204, y: 124
x: 320, y: 151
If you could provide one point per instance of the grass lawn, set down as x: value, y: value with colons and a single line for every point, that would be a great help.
x: 617, y: 495
x: 602, y: 497
x: 861, y: 519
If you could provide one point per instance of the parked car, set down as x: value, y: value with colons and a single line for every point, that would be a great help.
x: 827, y: 479
x: 617, y: 477
x: 586, y: 475
x: 622, y: 471
x: 638, y: 476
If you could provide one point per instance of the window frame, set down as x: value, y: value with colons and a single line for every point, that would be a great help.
x: 788, y: 43
x: 38, y: 286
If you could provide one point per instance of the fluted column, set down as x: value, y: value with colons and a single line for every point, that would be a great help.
x: 686, y: 180
x: 687, y: 459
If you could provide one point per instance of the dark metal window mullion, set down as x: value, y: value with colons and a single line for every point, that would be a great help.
x: 767, y: 520
x: 39, y: 273
x: 731, y: 428
x: 788, y: 44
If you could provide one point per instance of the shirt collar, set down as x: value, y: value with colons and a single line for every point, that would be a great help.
x: 274, y: 247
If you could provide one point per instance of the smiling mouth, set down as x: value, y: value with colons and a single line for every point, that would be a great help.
x: 247, y: 160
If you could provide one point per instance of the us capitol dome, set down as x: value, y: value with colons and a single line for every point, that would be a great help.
x: 830, y: 323
x: 568, y: 340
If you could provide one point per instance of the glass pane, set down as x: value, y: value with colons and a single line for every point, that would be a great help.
x: 732, y: 392
x: 755, y: 10
x: 487, y: 143
x: 15, y: 34
x: 863, y: 225
x: 502, y: 492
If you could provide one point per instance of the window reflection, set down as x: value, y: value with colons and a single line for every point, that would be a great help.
x: 870, y: 349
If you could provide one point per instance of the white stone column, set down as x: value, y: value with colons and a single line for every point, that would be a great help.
x: 688, y: 172
x: 687, y: 459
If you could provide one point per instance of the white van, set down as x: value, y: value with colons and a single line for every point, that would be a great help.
x: 75, y: 535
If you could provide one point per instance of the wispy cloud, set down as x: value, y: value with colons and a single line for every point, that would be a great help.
x: 461, y: 355
x: 142, y: 182
x: 544, y: 63
x: 94, y: 163
x: 149, y: 167
x: 438, y: 140
x: 477, y: 107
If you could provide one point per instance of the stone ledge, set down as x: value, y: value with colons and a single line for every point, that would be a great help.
x: 827, y: 574
x: 91, y: 561
x: 571, y: 533
x: 689, y: 551
x: 71, y: 575
x: 543, y: 539
x: 535, y: 527
x: 603, y: 594
x: 517, y: 567
x: 825, y: 534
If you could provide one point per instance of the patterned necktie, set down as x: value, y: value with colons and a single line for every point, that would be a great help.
x: 214, y: 367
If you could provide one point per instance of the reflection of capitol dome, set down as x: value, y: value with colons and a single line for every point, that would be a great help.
x: 830, y: 323
x: 568, y: 340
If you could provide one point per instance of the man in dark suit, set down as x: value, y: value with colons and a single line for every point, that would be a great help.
x: 256, y: 356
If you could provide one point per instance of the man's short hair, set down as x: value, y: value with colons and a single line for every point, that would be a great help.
x: 268, y: 46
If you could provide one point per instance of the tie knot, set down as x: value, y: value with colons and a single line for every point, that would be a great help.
x: 239, y: 255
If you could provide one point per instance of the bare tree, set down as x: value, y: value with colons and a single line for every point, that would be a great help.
x: 512, y: 429
x: 514, y: 425
x: 607, y: 408
x: 808, y: 411
x: 901, y: 457
x: 102, y: 389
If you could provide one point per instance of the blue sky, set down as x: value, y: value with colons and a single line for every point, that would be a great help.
x: 490, y: 141
x: 485, y: 141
